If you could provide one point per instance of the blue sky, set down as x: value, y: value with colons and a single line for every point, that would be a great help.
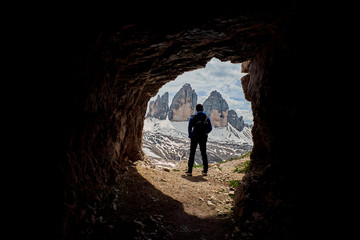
x: 223, y: 77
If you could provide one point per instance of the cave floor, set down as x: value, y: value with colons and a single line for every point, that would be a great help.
x: 149, y: 202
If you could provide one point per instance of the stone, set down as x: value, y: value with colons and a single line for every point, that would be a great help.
x: 245, y: 66
x: 244, y: 83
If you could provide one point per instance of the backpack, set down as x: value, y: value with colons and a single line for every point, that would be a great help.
x: 201, y: 125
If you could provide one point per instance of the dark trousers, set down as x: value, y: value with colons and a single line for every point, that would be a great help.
x: 193, y: 146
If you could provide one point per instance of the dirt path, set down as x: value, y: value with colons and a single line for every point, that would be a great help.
x: 206, y: 200
x: 150, y: 202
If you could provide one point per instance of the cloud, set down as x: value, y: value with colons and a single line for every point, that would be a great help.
x: 223, y: 77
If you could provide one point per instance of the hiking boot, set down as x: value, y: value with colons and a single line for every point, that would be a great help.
x: 204, y: 173
x: 189, y: 173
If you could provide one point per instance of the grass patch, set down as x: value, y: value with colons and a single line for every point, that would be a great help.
x: 246, y: 166
x: 198, y: 166
x: 234, y: 183
x: 246, y: 155
x: 243, y: 168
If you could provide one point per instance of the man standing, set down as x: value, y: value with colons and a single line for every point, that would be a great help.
x: 199, y: 127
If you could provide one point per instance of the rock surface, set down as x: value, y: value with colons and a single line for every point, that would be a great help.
x: 235, y: 121
x: 217, y: 109
x: 160, y: 107
x: 183, y: 104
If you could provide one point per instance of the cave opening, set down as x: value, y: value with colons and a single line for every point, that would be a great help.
x: 218, y: 87
x: 166, y: 145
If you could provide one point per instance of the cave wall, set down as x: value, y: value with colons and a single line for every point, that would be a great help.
x: 113, y: 74
x: 269, y: 196
x: 286, y: 194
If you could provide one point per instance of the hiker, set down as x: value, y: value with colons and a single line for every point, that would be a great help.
x: 199, y: 127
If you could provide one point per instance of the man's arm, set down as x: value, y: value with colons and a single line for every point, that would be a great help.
x: 190, y: 127
x: 210, y: 126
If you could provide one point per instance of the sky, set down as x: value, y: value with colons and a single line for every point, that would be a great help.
x: 223, y: 77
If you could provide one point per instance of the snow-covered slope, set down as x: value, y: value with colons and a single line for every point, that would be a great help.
x: 180, y: 129
x: 169, y: 140
x: 231, y: 135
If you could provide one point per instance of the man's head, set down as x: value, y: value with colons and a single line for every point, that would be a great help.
x: 199, y: 107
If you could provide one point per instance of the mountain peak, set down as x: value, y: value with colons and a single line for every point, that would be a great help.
x: 235, y: 121
x: 160, y: 107
x: 217, y: 109
x: 215, y: 93
x: 186, y: 85
x: 183, y: 104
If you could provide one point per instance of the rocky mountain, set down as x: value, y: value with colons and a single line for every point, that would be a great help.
x: 235, y: 121
x: 160, y: 107
x: 217, y: 109
x: 183, y: 104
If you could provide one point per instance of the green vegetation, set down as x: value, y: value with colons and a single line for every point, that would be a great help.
x: 234, y: 183
x: 246, y: 166
x: 246, y: 155
x: 243, y: 168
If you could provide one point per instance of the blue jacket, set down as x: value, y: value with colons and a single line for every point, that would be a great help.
x: 192, y: 124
